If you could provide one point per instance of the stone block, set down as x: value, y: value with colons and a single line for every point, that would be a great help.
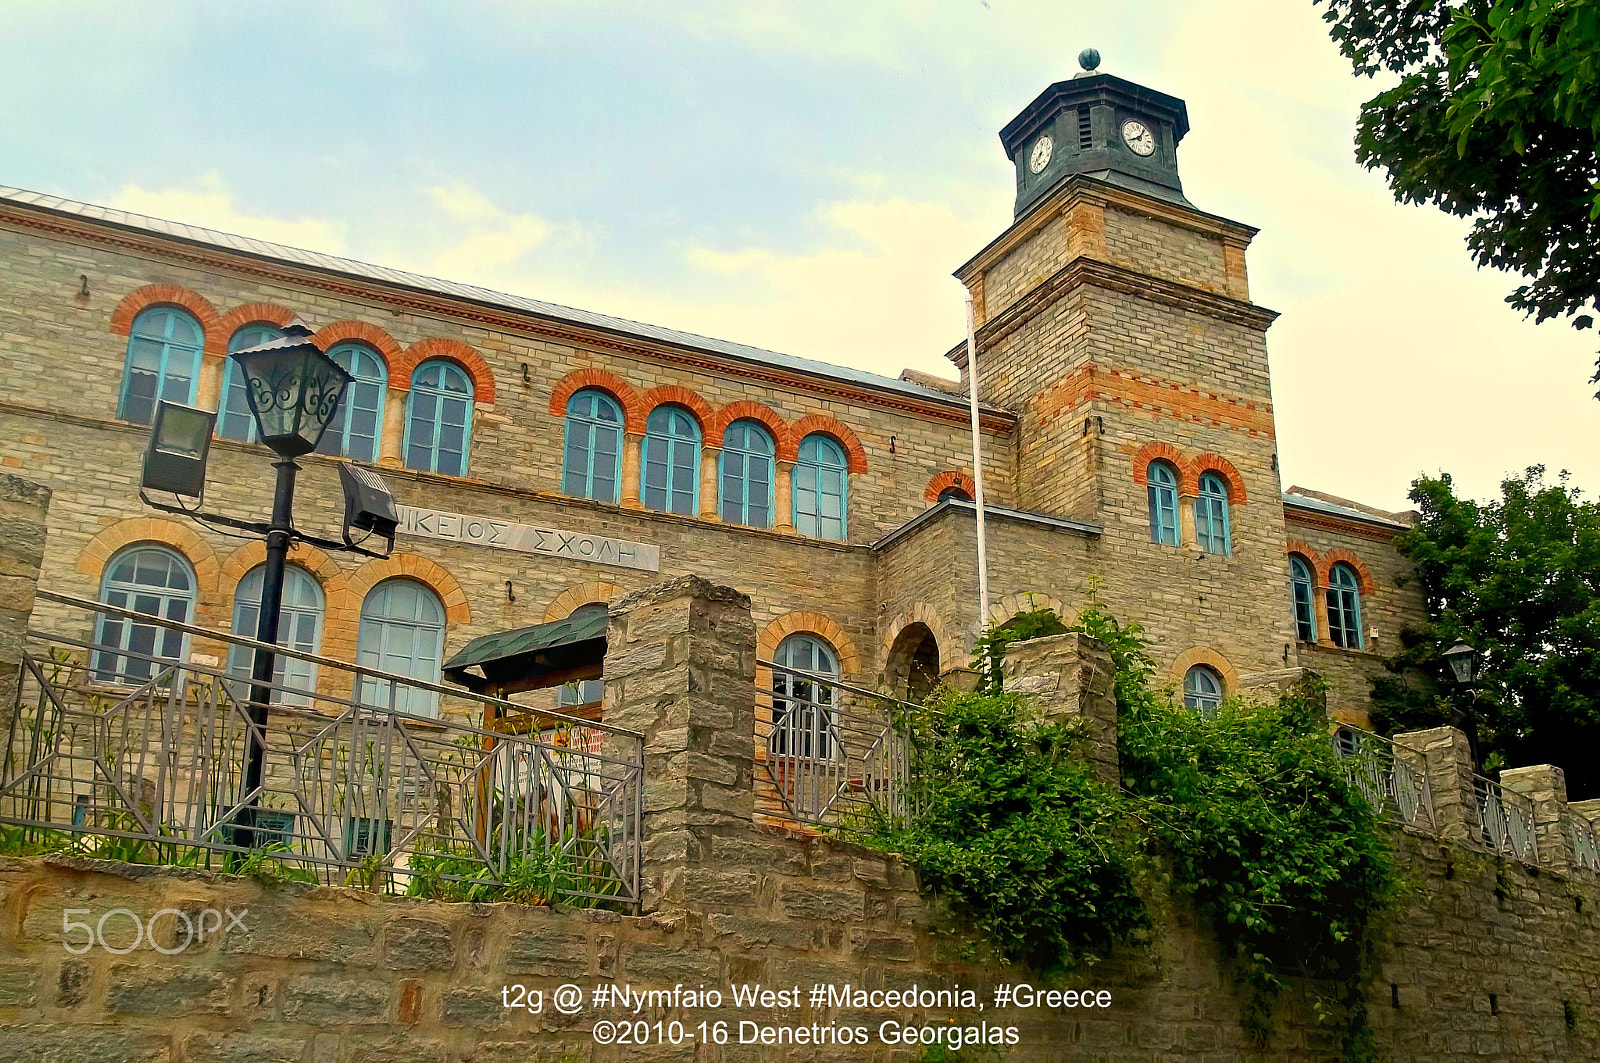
x: 149, y: 989
x: 478, y: 1007
x: 820, y: 902
x: 547, y: 950
x: 662, y: 967
x: 282, y: 933
x: 418, y: 945
x: 328, y: 1000
x: 20, y: 981
x: 58, y: 1043
x: 72, y: 983
x: 719, y: 889
x: 251, y: 1047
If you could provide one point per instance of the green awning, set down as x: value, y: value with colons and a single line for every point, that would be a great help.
x: 528, y: 658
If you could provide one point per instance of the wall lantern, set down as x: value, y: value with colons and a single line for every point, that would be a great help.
x: 293, y: 390
x: 1462, y: 660
x: 180, y: 443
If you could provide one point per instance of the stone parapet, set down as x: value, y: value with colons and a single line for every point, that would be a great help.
x: 1071, y: 677
x: 24, y: 510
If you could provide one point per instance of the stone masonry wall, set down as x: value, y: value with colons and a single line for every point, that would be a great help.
x: 24, y: 510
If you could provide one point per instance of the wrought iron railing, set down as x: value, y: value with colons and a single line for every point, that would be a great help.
x: 1585, y: 849
x: 828, y: 750
x: 1505, y: 820
x: 151, y: 751
x: 1392, y: 778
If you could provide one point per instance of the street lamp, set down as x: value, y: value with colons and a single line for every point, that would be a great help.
x: 293, y: 389
x: 1463, y: 662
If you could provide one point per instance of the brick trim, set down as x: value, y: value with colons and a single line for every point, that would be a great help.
x: 855, y: 454
x: 403, y: 366
x: 675, y: 395
x: 925, y: 614
x: 950, y: 478
x: 1201, y: 464
x: 1157, y: 452
x: 744, y: 410
x: 1025, y: 601
x: 580, y: 594
x: 1214, y: 660
x: 373, y: 336
x: 92, y: 559
x: 1339, y: 553
x: 807, y: 622
x: 341, y: 626
x: 320, y: 564
x: 140, y: 299
x: 253, y: 314
x: 610, y: 383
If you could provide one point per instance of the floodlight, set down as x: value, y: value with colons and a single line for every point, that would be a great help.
x: 180, y: 443
x: 368, y: 503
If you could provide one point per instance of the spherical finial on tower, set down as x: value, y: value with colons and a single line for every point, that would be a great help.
x: 1089, y: 58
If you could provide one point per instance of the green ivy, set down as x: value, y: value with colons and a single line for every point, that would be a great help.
x: 990, y: 649
x: 1248, y: 810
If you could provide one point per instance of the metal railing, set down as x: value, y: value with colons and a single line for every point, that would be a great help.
x: 829, y: 749
x: 1392, y: 778
x: 117, y: 742
x: 1585, y: 849
x: 1505, y: 820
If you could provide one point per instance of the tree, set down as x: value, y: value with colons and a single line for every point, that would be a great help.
x: 1496, y: 118
x: 1519, y: 579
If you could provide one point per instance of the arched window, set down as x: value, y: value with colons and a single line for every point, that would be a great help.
x: 954, y: 492
x: 299, y: 627
x: 819, y: 488
x: 1211, y: 515
x: 439, y: 418
x: 1344, y: 607
x: 803, y: 723
x: 163, y: 362
x: 402, y: 631
x: 357, y: 426
x: 147, y: 579
x: 591, y: 463
x: 583, y: 691
x: 1162, y: 481
x: 1301, y: 589
x: 234, y: 419
x: 670, y: 469
x: 745, y: 474
x: 1202, y: 689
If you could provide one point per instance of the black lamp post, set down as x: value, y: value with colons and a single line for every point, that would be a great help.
x: 294, y: 390
x: 1463, y: 662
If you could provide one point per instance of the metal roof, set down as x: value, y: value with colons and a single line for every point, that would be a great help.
x: 1307, y: 502
x: 990, y: 513
x: 507, y: 657
x: 520, y: 304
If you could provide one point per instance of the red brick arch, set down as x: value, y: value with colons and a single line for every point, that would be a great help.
x: 254, y: 314
x: 610, y: 383
x: 1208, y: 462
x: 215, y: 342
x: 1157, y: 452
x: 855, y: 454
x: 672, y: 394
x: 744, y: 410
x: 949, y: 479
x: 1307, y: 551
x: 373, y: 336
x: 1337, y: 554
x: 451, y: 351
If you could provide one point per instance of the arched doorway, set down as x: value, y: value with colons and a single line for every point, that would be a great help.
x: 912, y: 670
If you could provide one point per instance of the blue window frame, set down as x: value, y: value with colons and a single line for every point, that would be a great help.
x: 299, y: 627
x: 744, y: 473
x: 820, y: 502
x: 163, y: 362
x: 1344, y: 607
x: 803, y: 723
x: 439, y: 418
x: 582, y: 691
x: 1202, y: 689
x: 669, y: 473
x: 234, y: 419
x: 357, y: 426
x: 591, y: 461
x: 402, y: 631
x: 1162, y: 483
x: 1211, y: 529
x: 146, y: 579
x: 1302, y: 589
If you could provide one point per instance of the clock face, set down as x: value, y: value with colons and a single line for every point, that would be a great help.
x: 1041, y: 154
x: 1138, y: 137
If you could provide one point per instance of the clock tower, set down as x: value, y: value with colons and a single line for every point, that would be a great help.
x: 1097, y: 124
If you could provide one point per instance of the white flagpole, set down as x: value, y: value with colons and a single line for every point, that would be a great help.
x: 977, y: 462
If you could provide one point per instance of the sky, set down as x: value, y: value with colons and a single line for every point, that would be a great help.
x: 799, y: 176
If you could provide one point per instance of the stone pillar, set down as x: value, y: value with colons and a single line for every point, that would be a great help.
x: 1186, y: 536
x: 1546, y: 786
x: 392, y: 433
x: 24, y: 506
x: 708, y: 483
x: 1319, y: 608
x: 680, y: 667
x: 1070, y: 677
x: 208, y: 389
x: 1447, y: 761
x: 632, y: 445
x: 783, y: 497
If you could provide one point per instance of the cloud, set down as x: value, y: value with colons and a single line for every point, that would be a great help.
x: 209, y: 204
x: 487, y: 240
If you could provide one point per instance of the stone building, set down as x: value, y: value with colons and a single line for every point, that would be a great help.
x: 1127, y: 431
